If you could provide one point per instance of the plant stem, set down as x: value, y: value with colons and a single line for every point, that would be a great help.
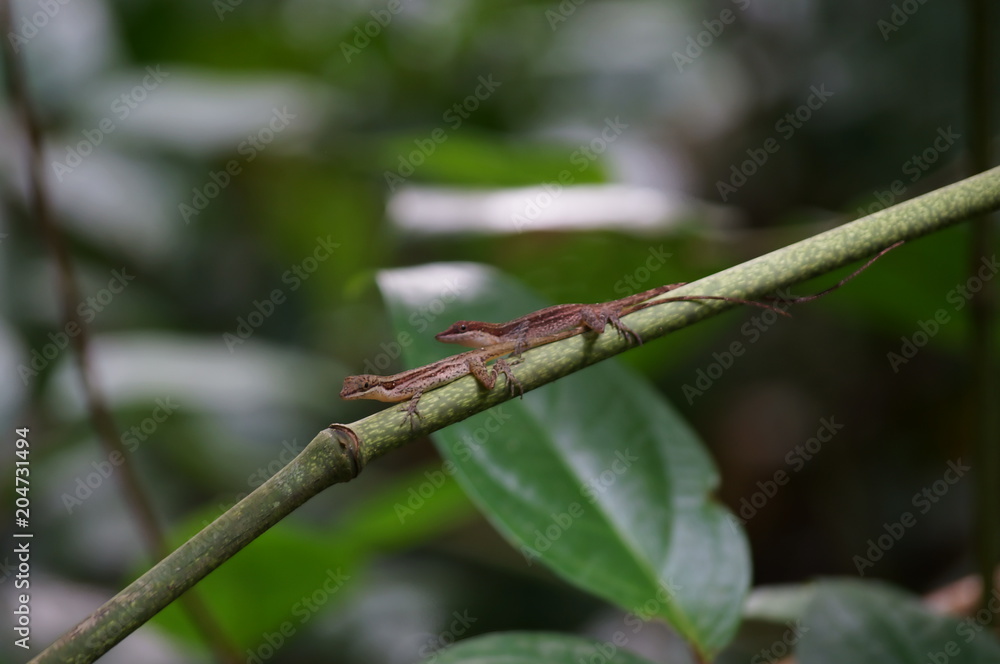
x: 326, y: 460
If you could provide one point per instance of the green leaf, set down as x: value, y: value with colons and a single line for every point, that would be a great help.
x: 472, y: 159
x: 528, y: 648
x: 850, y: 621
x: 594, y: 475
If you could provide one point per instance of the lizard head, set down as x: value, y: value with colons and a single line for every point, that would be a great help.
x: 358, y: 387
x: 467, y: 333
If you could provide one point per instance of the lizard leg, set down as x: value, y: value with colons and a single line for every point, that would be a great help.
x: 520, y: 340
x: 488, y: 378
x: 411, y: 410
x: 485, y: 377
x: 502, y: 367
x: 625, y: 330
x: 597, y: 318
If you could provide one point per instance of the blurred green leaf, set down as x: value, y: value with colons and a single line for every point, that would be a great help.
x: 467, y: 158
x: 526, y: 648
x: 851, y: 621
x: 595, y: 475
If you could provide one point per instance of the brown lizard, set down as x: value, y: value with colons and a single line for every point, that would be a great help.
x: 557, y: 322
x: 523, y: 331
x: 412, y: 383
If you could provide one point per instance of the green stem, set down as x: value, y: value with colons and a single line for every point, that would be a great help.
x: 326, y: 460
x: 337, y: 454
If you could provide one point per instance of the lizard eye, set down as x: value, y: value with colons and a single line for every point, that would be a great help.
x: 463, y: 327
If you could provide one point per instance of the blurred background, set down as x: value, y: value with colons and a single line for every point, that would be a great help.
x: 230, y: 176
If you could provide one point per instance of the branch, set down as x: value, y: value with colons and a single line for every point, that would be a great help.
x: 326, y: 460
x: 338, y: 453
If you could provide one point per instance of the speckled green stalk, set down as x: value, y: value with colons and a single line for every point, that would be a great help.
x: 335, y: 456
x: 323, y: 462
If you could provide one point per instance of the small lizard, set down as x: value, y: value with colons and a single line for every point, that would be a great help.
x: 412, y: 383
x: 524, y: 330
x: 534, y: 329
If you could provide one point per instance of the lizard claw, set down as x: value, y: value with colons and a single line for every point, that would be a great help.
x: 630, y: 335
x: 412, y: 414
x: 503, y: 367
